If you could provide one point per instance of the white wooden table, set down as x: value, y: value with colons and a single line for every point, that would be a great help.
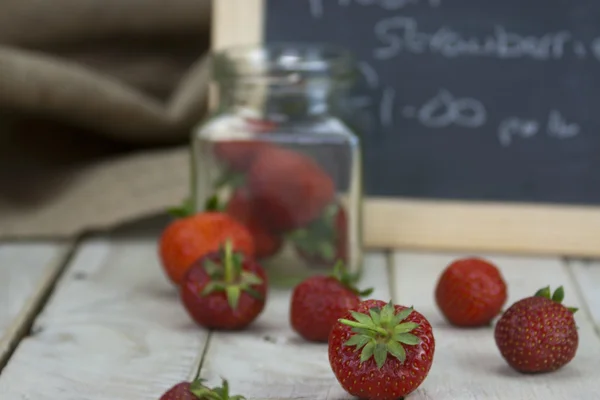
x: 97, y: 320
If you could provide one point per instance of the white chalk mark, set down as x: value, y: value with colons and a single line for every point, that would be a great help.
x: 560, y: 128
x: 514, y: 126
x: 439, y: 111
x: 469, y: 113
x: 369, y: 73
x: 316, y: 8
x: 386, y: 111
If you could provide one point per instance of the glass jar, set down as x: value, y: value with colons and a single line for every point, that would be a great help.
x: 277, y: 155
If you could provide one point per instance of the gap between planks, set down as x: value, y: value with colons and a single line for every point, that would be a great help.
x: 39, y: 266
x: 270, y: 361
x: 113, y: 328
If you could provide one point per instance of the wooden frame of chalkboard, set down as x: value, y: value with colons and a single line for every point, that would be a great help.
x: 439, y: 224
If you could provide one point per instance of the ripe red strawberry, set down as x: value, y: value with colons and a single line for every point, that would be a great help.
x: 538, y: 333
x: 325, y: 240
x: 197, y: 391
x: 290, y: 189
x: 240, y: 206
x: 238, y: 155
x: 318, y: 302
x: 470, y: 292
x: 191, y: 237
x: 224, y: 290
x: 381, y: 351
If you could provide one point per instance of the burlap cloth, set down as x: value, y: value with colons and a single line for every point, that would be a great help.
x: 97, y: 99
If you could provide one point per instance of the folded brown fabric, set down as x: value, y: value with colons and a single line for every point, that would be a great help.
x: 116, y: 85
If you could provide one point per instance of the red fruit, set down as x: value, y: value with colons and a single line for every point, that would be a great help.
x: 197, y: 391
x: 290, y: 190
x: 189, y: 238
x: 319, y: 301
x: 324, y: 241
x: 381, y: 351
x: 240, y: 207
x: 238, y: 154
x: 538, y: 333
x: 470, y: 292
x: 224, y: 290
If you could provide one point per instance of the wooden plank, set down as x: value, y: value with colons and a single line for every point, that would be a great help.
x: 470, y: 226
x: 113, y: 329
x: 467, y: 364
x: 27, y: 272
x: 587, y: 275
x: 270, y: 360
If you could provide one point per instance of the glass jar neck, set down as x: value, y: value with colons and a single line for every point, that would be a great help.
x: 294, y: 100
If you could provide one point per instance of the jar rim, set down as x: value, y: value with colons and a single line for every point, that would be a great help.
x: 283, y: 58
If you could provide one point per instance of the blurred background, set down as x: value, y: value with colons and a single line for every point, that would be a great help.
x: 96, y: 101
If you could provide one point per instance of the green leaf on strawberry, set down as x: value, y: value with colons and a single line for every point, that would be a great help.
x: 322, y: 239
x: 348, y: 280
x: 203, y: 392
x: 230, y: 278
x: 382, y: 332
x: 558, y: 296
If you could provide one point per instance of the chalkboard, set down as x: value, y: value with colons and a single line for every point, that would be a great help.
x: 468, y: 99
x: 482, y: 117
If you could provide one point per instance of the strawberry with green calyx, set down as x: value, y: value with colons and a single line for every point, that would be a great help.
x: 325, y: 240
x: 538, y: 334
x: 318, y: 302
x: 191, y: 236
x: 381, y: 351
x: 196, y: 390
x: 224, y: 290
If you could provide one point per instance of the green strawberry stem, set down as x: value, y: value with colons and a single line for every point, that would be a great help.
x: 230, y: 270
x: 203, y: 392
x: 320, y: 236
x: 347, y: 280
x: 382, y: 332
x: 558, y: 296
x: 185, y: 209
x: 230, y: 278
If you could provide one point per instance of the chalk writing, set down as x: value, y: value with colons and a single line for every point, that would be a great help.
x: 445, y: 110
x: 316, y: 7
x: 400, y: 34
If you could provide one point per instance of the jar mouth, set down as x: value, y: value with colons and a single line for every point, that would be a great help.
x: 282, y: 59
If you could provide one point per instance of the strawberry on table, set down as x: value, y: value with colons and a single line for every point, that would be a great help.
x: 192, y: 236
x: 196, y: 390
x: 325, y: 240
x: 381, y: 351
x: 241, y: 207
x: 290, y: 189
x: 224, y: 290
x: 471, y: 292
x: 319, y: 301
x: 538, y: 333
